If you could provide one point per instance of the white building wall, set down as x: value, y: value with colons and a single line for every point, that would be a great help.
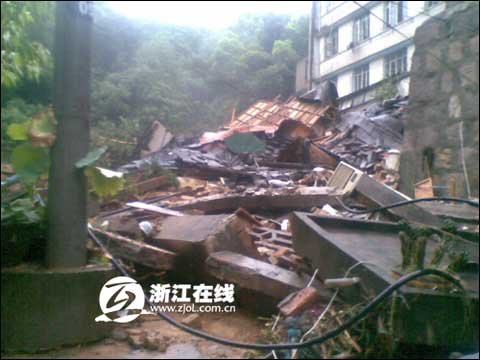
x: 403, y: 85
x: 339, y: 10
x: 344, y: 83
x: 377, y: 26
x: 376, y: 71
x: 317, y: 57
x: 410, y: 52
x: 344, y: 37
x: 381, y: 38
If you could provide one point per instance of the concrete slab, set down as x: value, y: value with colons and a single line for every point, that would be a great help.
x: 432, y: 316
x: 205, y: 234
x: 383, y: 195
x: 177, y: 233
x: 257, y: 275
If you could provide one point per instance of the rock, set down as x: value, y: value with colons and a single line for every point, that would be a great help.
x: 136, y: 341
x: 119, y: 334
x: 155, y: 343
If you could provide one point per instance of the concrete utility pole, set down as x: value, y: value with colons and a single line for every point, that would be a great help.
x: 67, y: 191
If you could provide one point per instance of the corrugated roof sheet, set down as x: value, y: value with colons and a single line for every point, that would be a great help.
x: 273, y: 113
x: 267, y: 116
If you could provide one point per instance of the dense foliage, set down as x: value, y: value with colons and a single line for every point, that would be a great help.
x: 188, y: 78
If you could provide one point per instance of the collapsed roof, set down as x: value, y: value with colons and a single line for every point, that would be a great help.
x: 269, y: 115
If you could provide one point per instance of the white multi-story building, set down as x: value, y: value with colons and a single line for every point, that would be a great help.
x: 360, y: 45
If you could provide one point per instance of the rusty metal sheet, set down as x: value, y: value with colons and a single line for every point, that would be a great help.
x: 267, y: 116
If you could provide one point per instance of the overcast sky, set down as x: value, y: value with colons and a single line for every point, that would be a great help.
x: 209, y: 14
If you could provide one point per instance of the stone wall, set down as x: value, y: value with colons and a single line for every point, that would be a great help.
x: 444, y: 96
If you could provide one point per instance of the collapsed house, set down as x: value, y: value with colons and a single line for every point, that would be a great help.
x: 297, y: 134
x: 261, y: 204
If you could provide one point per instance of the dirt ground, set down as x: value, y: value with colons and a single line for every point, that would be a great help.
x: 172, y: 342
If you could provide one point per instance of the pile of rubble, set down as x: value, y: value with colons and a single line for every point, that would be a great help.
x: 294, y: 137
x: 221, y: 206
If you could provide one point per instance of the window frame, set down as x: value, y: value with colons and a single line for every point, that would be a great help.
x: 359, y: 24
x: 399, y: 59
x: 401, y: 13
x: 361, y: 77
x: 329, y: 55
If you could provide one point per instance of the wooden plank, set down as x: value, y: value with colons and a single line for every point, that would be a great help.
x: 149, y: 185
x: 138, y: 252
x: 424, y: 189
x: 226, y: 204
x: 154, y: 208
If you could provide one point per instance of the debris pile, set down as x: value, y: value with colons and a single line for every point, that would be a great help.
x: 275, y: 144
x: 370, y: 140
x: 221, y: 206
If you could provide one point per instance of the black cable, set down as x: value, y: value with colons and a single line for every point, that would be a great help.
x: 314, y: 341
x: 403, y: 203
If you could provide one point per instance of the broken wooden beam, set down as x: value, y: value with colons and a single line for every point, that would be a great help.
x: 257, y: 275
x: 150, y: 184
x: 226, y: 204
x: 154, y: 208
x: 136, y: 251
x: 272, y: 246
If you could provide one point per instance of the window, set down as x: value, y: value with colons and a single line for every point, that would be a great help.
x: 361, y: 28
x: 361, y: 77
x: 396, y: 63
x: 331, y: 43
x: 395, y: 12
x: 429, y: 4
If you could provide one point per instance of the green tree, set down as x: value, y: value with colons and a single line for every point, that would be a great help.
x: 22, y: 58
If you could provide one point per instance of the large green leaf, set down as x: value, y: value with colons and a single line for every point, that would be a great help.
x: 104, y: 182
x: 20, y: 211
x: 242, y: 143
x: 30, y: 162
x: 43, y: 129
x: 91, y: 157
x: 18, y: 131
